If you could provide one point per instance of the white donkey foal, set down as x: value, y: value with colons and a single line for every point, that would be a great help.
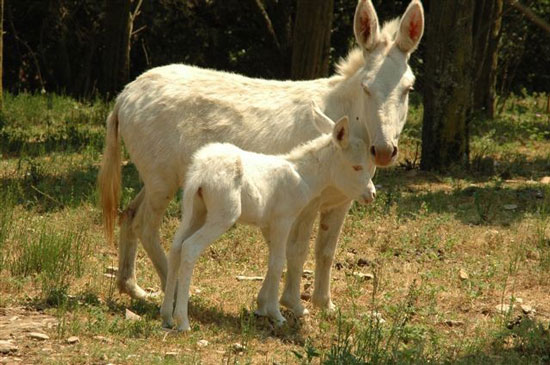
x: 225, y: 184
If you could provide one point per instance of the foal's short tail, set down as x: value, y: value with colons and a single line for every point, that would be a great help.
x: 190, y: 192
x: 109, y: 175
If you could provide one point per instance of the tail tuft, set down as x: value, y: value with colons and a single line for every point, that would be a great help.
x: 109, y: 176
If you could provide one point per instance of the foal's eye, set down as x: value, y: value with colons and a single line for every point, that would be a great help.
x: 357, y: 167
x: 366, y: 90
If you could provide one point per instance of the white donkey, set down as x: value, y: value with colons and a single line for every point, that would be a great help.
x: 225, y: 184
x: 169, y: 112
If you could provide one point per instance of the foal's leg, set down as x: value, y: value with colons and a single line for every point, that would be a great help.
x: 329, y: 229
x: 198, y: 216
x: 173, y: 267
x: 296, y: 253
x: 268, y: 304
x: 191, y: 249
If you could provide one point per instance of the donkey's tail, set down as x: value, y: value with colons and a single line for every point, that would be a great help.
x: 109, y: 175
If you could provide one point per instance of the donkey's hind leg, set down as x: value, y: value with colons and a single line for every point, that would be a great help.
x: 142, y: 220
x: 127, y: 250
x: 147, y: 226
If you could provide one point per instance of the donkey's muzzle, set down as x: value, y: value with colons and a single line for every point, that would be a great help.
x: 384, y: 155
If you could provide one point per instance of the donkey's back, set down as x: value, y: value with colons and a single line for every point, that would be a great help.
x: 181, y: 108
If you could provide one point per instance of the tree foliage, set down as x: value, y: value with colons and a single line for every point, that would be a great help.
x: 65, y: 47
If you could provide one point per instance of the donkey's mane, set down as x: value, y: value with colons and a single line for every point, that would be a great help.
x: 348, y: 66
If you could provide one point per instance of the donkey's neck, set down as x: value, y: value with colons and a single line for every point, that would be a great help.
x: 344, y: 98
x: 312, y: 162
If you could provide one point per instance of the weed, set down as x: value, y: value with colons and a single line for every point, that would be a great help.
x: 55, y: 257
x: 6, y: 220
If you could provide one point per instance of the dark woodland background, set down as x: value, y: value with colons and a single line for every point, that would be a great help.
x: 88, y: 48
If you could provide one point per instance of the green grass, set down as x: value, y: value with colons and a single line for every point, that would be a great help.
x: 419, y: 234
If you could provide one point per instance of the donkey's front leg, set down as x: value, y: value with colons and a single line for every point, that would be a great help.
x: 296, y: 254
x: 268, y: 303
x: 330, y: 225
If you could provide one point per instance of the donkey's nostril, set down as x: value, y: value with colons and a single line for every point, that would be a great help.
x: 373, y: 195
x: 373, y: 151
x: 394, y: 153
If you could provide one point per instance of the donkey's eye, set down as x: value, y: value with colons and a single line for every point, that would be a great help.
x: 366, y: 90
x: 357, y: 167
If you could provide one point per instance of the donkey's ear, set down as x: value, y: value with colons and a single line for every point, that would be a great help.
x: 340, y: 132
x: 411, y: 27
x: 365, y: 25
x: 321, y: 121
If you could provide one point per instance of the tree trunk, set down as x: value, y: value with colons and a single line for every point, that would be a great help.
x: 448, y: 84
x: 280, y: 12
x: 486, y: 35
x: 311, y: 40
x: 116, y: 58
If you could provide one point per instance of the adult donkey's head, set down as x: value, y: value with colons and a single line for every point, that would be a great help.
x: 386, y: 77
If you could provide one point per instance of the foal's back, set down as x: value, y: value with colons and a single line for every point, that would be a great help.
x: 266, y: 184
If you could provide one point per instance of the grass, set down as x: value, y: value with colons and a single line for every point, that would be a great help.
x: 445, y: 251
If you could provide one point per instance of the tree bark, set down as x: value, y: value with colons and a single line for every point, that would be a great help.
x: 448, y: 84
x: 486, y: 36
x: 116, y: 58
x: 311, y: 39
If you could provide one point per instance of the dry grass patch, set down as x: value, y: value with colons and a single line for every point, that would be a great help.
x: 417, y: 277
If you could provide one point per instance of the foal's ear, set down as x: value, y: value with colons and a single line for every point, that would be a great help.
x: 321, y: 121
x: 365, y: 25
x: 340, y: 132
x: 411, y: 27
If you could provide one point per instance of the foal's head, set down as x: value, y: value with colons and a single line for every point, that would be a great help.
x: 386, y: 78
x: 348, y: 161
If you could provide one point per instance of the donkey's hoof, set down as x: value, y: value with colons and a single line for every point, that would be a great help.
x: 132, y: 289
x: 324, y: 304
x: 167, y: 324
x: 279, y: 322
x: 261, y: 312
x: 152, y: 293
x: 185, y: 327
x: 297, y: 309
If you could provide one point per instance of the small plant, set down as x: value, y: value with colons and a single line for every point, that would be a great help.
x: 309, y: 354
x: 6, y: 222
x: 55, y: 257
x: 483, y: 204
